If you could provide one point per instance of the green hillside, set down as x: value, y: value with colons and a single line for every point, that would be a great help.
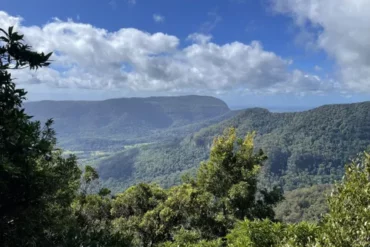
x: 96, y: 125
x: 304, y: 148
x: 304, y: 204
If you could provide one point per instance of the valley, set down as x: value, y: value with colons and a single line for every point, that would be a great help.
x: 173, y: 135
x: 164, y: 139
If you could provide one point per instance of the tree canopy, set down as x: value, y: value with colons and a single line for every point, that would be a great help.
x: 37, y: 184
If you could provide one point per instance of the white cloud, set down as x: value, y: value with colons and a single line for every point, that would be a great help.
x: 213, y: 20
x: 7, y: 20
x: 341, y: 28
x: 133, y: 60
x: 199, y: 38
x: 158, y: 18
x: 317, y: 68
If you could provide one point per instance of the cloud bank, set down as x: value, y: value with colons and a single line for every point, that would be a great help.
x: 132, y: 60
x: 342, y: 29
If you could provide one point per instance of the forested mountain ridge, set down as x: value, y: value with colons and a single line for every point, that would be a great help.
x: 124, y: 119
x: 303, y: 147
x: 305, y: 139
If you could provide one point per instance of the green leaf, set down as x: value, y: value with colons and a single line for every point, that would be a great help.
x: 10, y: 31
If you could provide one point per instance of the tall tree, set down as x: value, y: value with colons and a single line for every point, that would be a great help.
x: 223, y: 192
x: 37, y: 185
x: 231, y: 176
x: 348, y: 221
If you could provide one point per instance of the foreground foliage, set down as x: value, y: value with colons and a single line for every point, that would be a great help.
x: 37, y: 185
x: 223, y: 192
x: 345, y: 225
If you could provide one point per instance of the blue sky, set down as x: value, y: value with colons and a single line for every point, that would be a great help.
x: 267, y: 53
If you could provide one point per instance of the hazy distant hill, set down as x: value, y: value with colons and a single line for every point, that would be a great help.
x: 304, y: 148
x: 85, y: 123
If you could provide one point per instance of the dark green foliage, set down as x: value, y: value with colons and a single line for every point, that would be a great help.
x: 306, y: 204
x: 231, y: 175
x: 37, y: 185
x: 347, y: 223
x: 268, y: 234
x: 194, y: 214
x: 91, y: 222
x: 305, y: 141
x: 151, y: 215
x: 164, y: 163
x: 303, y: 148
x: 17, y: 55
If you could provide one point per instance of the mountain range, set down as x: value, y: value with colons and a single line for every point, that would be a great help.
x: 162, y: 138
x: 102, y: 125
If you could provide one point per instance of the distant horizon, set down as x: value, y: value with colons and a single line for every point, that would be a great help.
x: 281, y: 108
x: 272, y: 108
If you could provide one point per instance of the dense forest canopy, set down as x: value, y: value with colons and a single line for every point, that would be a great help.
x: 46, y: 200
x: 304, y: 148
